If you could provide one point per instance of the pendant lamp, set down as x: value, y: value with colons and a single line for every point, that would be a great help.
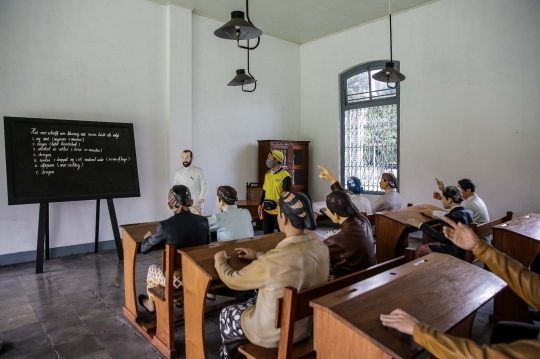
x: 242, y: 78
x: 389, y: 74
x: 239, y: 29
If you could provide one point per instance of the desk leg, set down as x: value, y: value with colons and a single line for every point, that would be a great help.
x: 507, y: 306
x: 388, y: 236
x: 130, y: 256
x: 196, y: 284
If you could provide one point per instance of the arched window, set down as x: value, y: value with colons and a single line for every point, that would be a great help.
x: 369, y: 126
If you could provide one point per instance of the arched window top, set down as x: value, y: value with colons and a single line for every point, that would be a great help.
x: 369, y: 126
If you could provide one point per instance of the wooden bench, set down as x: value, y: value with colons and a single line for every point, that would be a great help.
x: 482, y: 230
x: 294, y: 306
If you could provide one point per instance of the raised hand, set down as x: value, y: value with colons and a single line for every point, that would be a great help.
x: 440, y: 184
x: 327, y: 175
x: 460, y: 234
x: 437, y: 196
x: 399, y: 320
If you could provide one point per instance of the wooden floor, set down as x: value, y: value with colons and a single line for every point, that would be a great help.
x: 74, y: 310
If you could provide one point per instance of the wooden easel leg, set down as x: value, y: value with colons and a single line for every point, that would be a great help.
x: 96, y: 240
x: 41, y: 237
x: 116, y: 231
x: 47, y: 250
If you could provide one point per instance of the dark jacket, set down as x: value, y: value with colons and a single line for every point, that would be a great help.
x: 457, y: 214
x: 182, y: 230
x: 353, y: 248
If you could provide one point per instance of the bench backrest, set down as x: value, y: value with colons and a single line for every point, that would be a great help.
x: 485, y: 229
x: 294, y: 305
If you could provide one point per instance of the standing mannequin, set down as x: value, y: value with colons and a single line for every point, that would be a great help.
x: 193, y: 178
x: 276, y: 181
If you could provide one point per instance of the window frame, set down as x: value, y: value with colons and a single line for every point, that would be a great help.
x: 344, y: 106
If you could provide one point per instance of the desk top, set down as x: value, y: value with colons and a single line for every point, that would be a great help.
x: 204, y: 255
x: 244, y: 203
x: 404, y: 214
x: 137, y: 231
x: 527, y: 226
x: 437, y: 289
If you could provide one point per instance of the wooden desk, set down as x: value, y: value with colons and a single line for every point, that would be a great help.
x: 520, y: 240
x: 199, y: 275
x: 443, y: 291
x: 132, y: 237
x: 392, y: 230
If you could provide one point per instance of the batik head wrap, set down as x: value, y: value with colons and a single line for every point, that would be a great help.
x: 340, y: 203
x: 298, y: 208
x: 391, y: 179
x: 355, y: 185
x: 453, y: 193
x: 227, y: 194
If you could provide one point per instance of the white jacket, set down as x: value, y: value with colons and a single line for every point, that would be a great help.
x: 193, y: 178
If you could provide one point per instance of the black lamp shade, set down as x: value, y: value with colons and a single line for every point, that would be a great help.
x: 389, y: 74
x: 241, y: 79
x: 247, y: 30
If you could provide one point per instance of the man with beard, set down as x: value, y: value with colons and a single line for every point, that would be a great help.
x: 193, y: 178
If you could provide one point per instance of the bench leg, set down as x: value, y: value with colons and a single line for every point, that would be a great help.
x: 164, y: 338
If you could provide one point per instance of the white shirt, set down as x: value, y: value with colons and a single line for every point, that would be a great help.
x: 232, y: 223
x: 477, y: 207
x: 193, y: 178
x: 388, y: 202
x: 362, y: 203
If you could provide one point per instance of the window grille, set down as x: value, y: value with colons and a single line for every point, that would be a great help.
x: 369, y: 126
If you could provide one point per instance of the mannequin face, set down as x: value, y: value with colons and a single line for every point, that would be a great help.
x: 447, y: 203
x: 384, y: 184
x: 466, y: 194
x: 186, y: 159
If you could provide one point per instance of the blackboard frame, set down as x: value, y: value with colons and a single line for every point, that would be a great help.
x: 12, y: 196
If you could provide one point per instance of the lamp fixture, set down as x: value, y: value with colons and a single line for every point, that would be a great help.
x: 242, y: 79
x: 389, y: 74
x: 240, y: 29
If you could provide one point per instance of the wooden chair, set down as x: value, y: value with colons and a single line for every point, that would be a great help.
x: 253, y: 191
x: 294, y: 306
x: 482, y: 230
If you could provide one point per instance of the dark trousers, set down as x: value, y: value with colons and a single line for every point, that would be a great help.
x: 270, y: 223
x: 508, y: 332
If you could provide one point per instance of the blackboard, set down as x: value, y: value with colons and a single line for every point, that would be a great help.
x: 64, y: 160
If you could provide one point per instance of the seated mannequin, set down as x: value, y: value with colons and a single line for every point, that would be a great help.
x: 354, y: 186
x: 451, y: 200
x: 183, y: 229
x: 391, y: 199
x: 299, y: 261
x: 471, y: 200
x: 233, y: 222
x: 352, y: 248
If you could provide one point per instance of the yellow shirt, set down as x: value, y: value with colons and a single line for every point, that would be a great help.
x: 273, y: 186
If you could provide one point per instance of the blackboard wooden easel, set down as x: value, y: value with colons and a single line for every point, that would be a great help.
x: 43, y: 233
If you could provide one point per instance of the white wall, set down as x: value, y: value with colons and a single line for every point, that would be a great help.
x: 228, y: 122
x: 469, y: 107
x: 133, y: 61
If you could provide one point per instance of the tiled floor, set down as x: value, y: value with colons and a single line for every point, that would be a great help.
x: 74, y: 310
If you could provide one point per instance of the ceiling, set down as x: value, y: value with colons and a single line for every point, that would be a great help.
x: 300, y: 21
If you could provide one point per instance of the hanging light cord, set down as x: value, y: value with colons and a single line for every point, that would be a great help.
x: 249, y: 73
x: 258, y: 39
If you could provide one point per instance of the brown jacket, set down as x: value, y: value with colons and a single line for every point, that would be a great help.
x: 523, y: 282
x: 353, y: 248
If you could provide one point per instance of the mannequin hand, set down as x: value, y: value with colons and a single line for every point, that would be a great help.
x: 399, y: 320
x: 148, y: 234
x: 437, y: 195
x: 221, y: 254
x: 427, y: 212
x: 414, y: 222
x: 440, y: 184
x: 460, y: 234
x: 260, y: 210
x: 327, y: 175
x: 247, y: 253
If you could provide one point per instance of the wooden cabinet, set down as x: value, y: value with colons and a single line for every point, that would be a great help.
x: 296, y: 161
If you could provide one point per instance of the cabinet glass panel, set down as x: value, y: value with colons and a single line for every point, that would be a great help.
x: 299, y: 157
x: 299, y: 177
